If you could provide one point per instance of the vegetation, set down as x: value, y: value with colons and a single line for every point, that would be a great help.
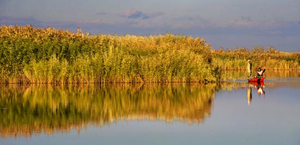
x: 51, y: 56
x: 271, y: 59
x: 29, y: 110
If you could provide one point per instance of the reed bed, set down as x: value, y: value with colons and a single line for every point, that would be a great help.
x: 55, y: 56
x: 51, y: 56
x: 237, y: 60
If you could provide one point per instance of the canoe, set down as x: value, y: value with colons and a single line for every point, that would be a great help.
x: 257, y: 83
x: 256, y: 79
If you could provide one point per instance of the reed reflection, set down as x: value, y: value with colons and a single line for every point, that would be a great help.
x: 49, y: 109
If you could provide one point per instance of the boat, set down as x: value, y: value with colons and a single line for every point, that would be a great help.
x: 256, y: 79
x: 257, y: 84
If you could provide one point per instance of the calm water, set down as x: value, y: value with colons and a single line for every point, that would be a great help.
x: 231, y: 113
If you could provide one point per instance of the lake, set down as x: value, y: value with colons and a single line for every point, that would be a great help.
x: 230, y: 113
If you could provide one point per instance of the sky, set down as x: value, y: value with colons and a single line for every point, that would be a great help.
x: 223, y: 23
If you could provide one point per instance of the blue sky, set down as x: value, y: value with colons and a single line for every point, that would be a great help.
x: 223, y: 23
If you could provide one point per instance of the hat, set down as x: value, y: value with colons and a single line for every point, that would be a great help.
x: 248, y: 59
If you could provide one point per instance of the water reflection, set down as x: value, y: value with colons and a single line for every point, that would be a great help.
x: 33, y: 110
x: 260, y: 89
x: 29, y: 110
x: 249, y: 95
x: 258, y: 86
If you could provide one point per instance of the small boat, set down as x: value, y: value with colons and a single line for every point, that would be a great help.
x: 256, y: 83
x: 256, y: 79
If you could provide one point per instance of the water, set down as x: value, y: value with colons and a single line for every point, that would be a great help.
x: 231, y: 113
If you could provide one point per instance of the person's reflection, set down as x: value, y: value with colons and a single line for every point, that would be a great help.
x: 249, y: 95
x: 260, y: 89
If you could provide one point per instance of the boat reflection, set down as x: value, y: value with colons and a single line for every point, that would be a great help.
x: 51, y: 109
x: 259, y: 86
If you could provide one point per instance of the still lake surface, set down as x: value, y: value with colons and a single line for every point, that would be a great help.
x: 231, y: 113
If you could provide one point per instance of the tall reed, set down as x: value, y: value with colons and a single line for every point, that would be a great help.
x: 50, y: 56
x: 273, y: 61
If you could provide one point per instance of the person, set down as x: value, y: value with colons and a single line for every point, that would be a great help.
x: 260, y: 72
x: 249, y: 67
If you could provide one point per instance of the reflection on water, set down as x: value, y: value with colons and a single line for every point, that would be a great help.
x: 28, y: 110
x: 249, y: 95
x: 157, y: 114
x: 259, y: 87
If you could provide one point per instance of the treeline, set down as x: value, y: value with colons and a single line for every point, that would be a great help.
x: 54, y: 56
x: 50, y: 109
x: 51, y: 56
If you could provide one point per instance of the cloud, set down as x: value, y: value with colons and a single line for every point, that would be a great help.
x: 135, y: 14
